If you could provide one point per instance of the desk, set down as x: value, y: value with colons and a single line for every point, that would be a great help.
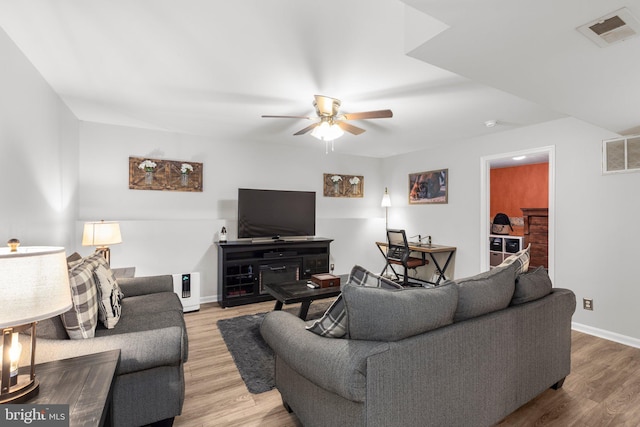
x: 426, y: 249
x: 85, y: 383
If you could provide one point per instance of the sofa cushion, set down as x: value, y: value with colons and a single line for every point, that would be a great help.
x: 520, y: 259
x: 390, y: 315
x: 143, y: 322
x: 486, y: 292
x: 156, y: 338
x: 152, y: 303
x: 133, y: 286
x: 531, y: 286
x: 109, y: 296
x: 149, y: 313
x: 333, y: 323
x: 81, y: 320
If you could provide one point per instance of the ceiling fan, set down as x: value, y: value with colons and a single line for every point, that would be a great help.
x: 331, y: 124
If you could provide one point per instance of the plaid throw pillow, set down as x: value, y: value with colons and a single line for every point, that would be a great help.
x: 81, y: 320
x: 521, y: 259
x: 362, y: 277
x: 94, y: 260
x: 333, y: 323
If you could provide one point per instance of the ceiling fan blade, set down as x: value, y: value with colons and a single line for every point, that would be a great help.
x: 326, y: 106
x: 379, y: 114
x: 350, y: 128
x: 307, y: 129
x: 287, y: 117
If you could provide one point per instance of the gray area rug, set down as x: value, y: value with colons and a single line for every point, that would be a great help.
x: 251, y: 354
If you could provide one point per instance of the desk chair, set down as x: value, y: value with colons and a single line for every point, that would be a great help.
x: 398, y: 253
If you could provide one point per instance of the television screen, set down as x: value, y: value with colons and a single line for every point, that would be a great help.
x: 276, y: 213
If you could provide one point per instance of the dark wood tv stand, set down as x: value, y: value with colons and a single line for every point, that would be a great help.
x: 245, y: 266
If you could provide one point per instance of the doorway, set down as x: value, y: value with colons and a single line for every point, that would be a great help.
x: 503, y: 160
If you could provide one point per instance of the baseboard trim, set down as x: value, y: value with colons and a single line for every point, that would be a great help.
x: 607, y: 335
x: 204, y: 300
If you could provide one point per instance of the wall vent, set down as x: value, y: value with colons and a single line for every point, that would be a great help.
x: 621, y: 155
x: 612, y: 28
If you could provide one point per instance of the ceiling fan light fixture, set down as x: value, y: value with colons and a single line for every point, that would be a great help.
x: 332, y: 125
x: 327, y: 132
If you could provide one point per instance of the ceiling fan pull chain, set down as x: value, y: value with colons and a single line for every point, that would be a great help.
x: 326, y: 146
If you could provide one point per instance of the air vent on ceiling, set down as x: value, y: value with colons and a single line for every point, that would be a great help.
x: 612, y: 28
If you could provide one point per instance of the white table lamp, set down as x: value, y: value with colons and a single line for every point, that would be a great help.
x: 102, y: 234
x: 35, y: 286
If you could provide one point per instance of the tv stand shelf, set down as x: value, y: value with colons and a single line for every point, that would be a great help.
x: 244, y: 267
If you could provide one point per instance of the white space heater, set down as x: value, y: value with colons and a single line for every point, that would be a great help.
x: 187, y: 286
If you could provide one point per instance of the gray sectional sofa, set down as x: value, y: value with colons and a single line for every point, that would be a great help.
x: 466, y: 353
x: 152, y: 338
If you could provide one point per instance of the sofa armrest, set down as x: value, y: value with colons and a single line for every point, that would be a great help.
x: 337, y: 365
x: 138, y: 350
x: 133, y: 286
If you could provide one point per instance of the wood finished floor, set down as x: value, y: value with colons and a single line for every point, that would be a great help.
x: 602, y: 390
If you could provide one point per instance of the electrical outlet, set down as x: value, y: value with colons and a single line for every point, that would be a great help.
x: 587, y: 304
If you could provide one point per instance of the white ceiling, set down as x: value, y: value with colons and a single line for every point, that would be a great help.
x: 213, y: 68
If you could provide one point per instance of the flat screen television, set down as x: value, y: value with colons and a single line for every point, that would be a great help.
x: 276, y: 213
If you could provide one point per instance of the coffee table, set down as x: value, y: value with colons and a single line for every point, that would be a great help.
x: 298, y: 291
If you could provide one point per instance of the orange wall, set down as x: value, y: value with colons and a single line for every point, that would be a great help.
x: 519, y: 187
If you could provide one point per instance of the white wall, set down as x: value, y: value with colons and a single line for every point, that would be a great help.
x: 596, y: 216
x: 38, y: 156
x: 174, y: 232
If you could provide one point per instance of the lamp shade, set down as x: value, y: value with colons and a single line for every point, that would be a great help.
x: 101, y: 233
x: 386, y: 199
x: 34, y: 284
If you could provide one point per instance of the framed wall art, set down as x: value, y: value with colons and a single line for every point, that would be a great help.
x: 430, y: 187
x: 341, y: 185
x: 164, y: 175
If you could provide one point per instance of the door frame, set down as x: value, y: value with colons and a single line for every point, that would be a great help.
x: 485, y: 202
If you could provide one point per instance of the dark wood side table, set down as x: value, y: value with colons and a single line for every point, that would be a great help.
x: 298, y: 291
x: 85, y: 383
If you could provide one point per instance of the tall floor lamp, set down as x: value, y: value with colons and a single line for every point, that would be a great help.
x: 386, y: 202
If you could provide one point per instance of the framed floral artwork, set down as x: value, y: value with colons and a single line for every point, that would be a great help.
x: 164, y: 175
x: 430, y: 187
x: 341, y: 185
